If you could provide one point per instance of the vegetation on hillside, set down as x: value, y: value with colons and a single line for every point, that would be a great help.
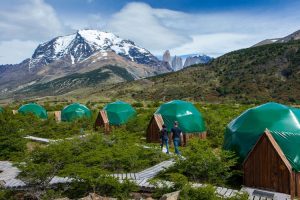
x: 253, y: 75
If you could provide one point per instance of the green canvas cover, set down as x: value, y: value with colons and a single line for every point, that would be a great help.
x: 289, y: 143
x: 283, y: 122
x: 35, y: 109
x: 189, y: 118
x: 119, y: 112
x: 75, y: 111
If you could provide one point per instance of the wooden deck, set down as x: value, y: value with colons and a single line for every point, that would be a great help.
x: 258, y: 194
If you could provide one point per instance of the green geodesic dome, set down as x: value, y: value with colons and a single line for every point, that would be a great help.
x: 35, y: 109
x: 1, y: 110
x: 119, y: 112
x: 283, y: 122
x: 189, y: 118
x: 75, y: 111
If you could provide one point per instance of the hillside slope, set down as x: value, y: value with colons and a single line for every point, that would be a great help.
x: 258, y: 74
x: 264, y: 73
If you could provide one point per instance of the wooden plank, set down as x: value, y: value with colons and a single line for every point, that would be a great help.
x: 228, y: 193
x: 256, y: 198
x: 142, y: 183
x: 218, y: 190
x: 223, y: 191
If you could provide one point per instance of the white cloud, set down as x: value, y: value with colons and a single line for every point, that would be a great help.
x: 14, y: 51
x: 32, y: 19
x: 143, y: 24
x: 26, y: 23
x: 210, y: 33
x: 214, y: 44
x: 90, y: 21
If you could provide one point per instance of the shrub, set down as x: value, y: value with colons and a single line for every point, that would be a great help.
x: 138, y: 104
x: 205, y: 164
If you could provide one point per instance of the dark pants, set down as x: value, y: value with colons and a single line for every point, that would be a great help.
x: 176, y: 142
x: 166, y: 142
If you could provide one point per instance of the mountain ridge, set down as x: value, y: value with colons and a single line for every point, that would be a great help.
x: 294, y: 36
x: 76, y: 53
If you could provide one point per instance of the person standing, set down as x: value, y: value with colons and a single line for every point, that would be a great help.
x: 176, y: 136
x: 164, y: 138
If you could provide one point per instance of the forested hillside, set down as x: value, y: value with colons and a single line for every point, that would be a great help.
x: 258, y: 74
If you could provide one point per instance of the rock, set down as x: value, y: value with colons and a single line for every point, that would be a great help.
x: 171, y: 196
x: 93, y: 196
x: 167, y: 57
x: 200, y: 59
x: 177, y: 63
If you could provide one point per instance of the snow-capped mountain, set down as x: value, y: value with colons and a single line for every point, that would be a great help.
x: 76, y: 47
x: 82, y: 59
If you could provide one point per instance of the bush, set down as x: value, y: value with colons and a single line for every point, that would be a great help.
x: 204, y: 164
x: 138, y: 104
x: 203, y: 193
x: 101, y: 155
x: 206, y: 193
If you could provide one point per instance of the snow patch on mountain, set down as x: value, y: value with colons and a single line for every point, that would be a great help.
x: 79, y: 46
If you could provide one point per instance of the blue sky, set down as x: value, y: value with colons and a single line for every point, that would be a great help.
x: 111, y: 6
x: 212, y: 27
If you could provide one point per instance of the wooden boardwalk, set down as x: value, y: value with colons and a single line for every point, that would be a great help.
x: 46, y: 140
x: 9, y: 174
x: 258, y: 194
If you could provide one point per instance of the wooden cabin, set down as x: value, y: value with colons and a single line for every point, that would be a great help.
x: 266, y: 167
x: 102, y: 121
x: 155, y: 126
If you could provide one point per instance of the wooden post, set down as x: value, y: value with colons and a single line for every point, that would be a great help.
x: 57, y: 115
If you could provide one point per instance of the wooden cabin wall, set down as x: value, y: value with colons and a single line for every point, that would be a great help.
x: 102, y: 121
x: 266, y: 168
x: 297, y: 184
x: 153, y: 130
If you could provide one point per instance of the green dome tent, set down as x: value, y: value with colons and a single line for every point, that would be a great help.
x: 1, y: 110
x: 189, y: 118
x: 35, y: 109
x: 283, y: 122
x: 119, y: 112
x: 75, y: 111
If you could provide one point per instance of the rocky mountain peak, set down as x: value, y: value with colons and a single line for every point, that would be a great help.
x: 177, y: 63
x: 167, y: 57
x: 76, y: 47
